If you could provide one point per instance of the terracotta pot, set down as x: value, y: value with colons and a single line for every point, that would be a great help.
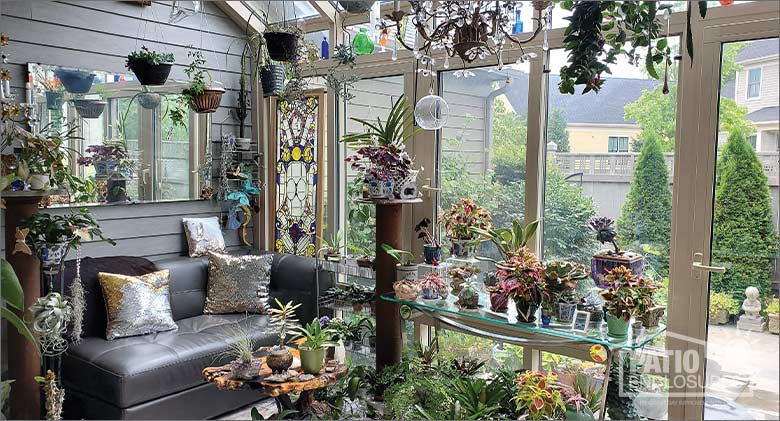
x: 279, y: 360
x: 208, y: 101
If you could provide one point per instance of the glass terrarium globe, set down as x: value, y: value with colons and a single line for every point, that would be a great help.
x: 431, y: 112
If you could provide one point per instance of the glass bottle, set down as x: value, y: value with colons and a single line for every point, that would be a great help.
x: 362, y: 44
x: 518, y: 28
x: 325, y: 48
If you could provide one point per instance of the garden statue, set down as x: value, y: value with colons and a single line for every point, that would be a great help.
x: 752, y: 319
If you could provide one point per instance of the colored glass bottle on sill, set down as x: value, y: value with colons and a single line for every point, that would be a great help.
x: 518, y: 28
x: 362, y: 45
x: 325, y: 48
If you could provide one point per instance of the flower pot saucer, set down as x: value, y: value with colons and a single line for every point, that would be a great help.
x: 434, y: 301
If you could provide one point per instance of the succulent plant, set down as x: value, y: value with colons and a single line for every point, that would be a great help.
x: 564, y: 274
x: 469, y: 295
x: 604, y: 227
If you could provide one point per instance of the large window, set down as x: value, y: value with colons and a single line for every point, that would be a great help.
x: 618, y: 144
x: 483, y: 143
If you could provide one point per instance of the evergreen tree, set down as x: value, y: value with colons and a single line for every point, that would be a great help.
x: 743, y: 236
x: 646, y: 216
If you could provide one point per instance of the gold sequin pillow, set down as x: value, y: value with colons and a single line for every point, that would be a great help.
x: 137, y: 305
x: 238, y: 284
x: 203, y: 235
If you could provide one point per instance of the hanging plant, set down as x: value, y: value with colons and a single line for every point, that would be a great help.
x: 339, y: 79
x: 283, y: 41
x: 599, y: 32
x: 202, y: 96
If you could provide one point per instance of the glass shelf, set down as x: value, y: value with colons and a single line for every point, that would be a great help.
x: 448, y: 309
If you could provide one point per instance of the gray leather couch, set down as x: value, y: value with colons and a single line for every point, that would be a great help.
x: 158, y: 376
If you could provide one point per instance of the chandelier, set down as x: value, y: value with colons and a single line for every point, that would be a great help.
x: 468, y: 29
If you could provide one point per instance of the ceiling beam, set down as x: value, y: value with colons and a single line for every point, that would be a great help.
x: 325, y: 9
x: 240, y: 14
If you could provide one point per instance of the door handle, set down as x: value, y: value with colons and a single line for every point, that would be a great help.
x: 697, y: 264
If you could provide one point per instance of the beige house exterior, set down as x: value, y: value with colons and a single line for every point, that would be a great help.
x: 587, y: 138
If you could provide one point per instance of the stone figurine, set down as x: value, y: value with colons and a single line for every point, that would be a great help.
x: 752, y: 319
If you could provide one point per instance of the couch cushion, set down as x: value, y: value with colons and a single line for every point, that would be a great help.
x: 95, y: 306
x: 188, y: 285
x: 129, y: 371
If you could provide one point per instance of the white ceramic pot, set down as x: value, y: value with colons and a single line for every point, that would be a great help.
x: 405, y: 272
x: 380, y: 189
x: 39, y: 181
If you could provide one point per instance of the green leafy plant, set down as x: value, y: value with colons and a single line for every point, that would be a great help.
x: 283, y: 319
x: 466, y: 366
x: 773, y: 307
x: 506, y: 240
x: 619, y: 296
x: 403, y: 257
x: 199, y: 80
x: 145, y: 55
x: 333, y: 244
x: 395, y: 132
x: 562, y: 277
x: 720, y: 301
x: 315, y: 336
x: 13, y: 298
x: 47, y: 229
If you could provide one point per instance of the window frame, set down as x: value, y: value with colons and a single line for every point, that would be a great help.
x: 618, y: 143
x: 757, y: 84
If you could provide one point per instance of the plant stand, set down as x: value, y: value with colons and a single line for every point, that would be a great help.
x: 23, y: 362
x: 388, y: 320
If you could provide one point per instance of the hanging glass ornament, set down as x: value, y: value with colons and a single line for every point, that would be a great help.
x: 431, y: 112
x: 362, y: 45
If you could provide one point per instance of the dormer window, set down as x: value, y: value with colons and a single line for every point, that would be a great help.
x: 754, y: 83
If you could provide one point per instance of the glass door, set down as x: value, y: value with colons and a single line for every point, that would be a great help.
x: 741, y: 372
x: 723, y: 355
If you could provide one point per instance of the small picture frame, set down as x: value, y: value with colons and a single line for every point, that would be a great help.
x: 581, y: 321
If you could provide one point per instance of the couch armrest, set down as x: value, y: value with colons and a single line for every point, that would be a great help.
x: 294, y: 278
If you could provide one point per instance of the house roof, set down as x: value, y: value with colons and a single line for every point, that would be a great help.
x: 764, y: 114
x: 759, y: 49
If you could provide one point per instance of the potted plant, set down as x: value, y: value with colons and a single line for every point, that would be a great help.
x: 524, y: 283
x: 282, y: 41
x: 432, y: 286
x: 606, y: 260
x: 282, y: 319
x: 499, y: 299
x: 55, y: 93
x: 562, y: 278
x: 357, y: 6
x: 51, y: 236
x: 203, y: 95
x: 506, y: 240
x: 91, y: 108
x: 432, y: 246
x: 380, y: 155
x: 576, y: 406
x: 364, y: 257
x: 312, y: 349
x: 75, y: 81
x: 149, y: 66
x: 406, y: 289
x: 538, y: 397
x: 331, y: 248
x: 648, y: 313
x: 339, y: 333
x: 547, y: 312
x: 459, y: 274
x: 468, y: 297
x: 459, y: 221
x: 722, y: 305
x: 619, y: 300
x: 593, y: 304
x: 113, y: 164
x: 773, y: 320
x: 406, y: 268
x: 243, y: 364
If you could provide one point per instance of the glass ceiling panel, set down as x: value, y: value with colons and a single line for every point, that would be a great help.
x: 278, y: 11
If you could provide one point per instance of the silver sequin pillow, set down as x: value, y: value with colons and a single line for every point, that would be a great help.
x: 238, y: 284
x: 203, y: 235
x: 137, y: 305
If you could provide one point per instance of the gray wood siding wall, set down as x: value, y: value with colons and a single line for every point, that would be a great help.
x: 99, y: 35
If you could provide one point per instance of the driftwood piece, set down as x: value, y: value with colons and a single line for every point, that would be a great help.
x: 222, y: 378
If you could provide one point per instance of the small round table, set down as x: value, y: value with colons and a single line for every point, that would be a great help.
x: 223, y: 379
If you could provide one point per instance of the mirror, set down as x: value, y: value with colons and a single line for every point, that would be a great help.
x: 125, y: 139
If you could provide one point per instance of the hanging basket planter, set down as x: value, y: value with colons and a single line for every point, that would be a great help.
x: 209, y: 100
x: 272, y: 79
x: 75, y: 81
x: 356, y: 6
x: 282, y: 46
x: 54, y: 100
x: 151, y: 74
x: 89, y: 108
x: 149, y: 100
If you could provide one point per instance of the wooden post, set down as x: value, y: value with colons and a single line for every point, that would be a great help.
x: 23, y: 360
x: 388, y: 319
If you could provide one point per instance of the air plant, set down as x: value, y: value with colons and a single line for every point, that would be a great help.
x: 604, y: 227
